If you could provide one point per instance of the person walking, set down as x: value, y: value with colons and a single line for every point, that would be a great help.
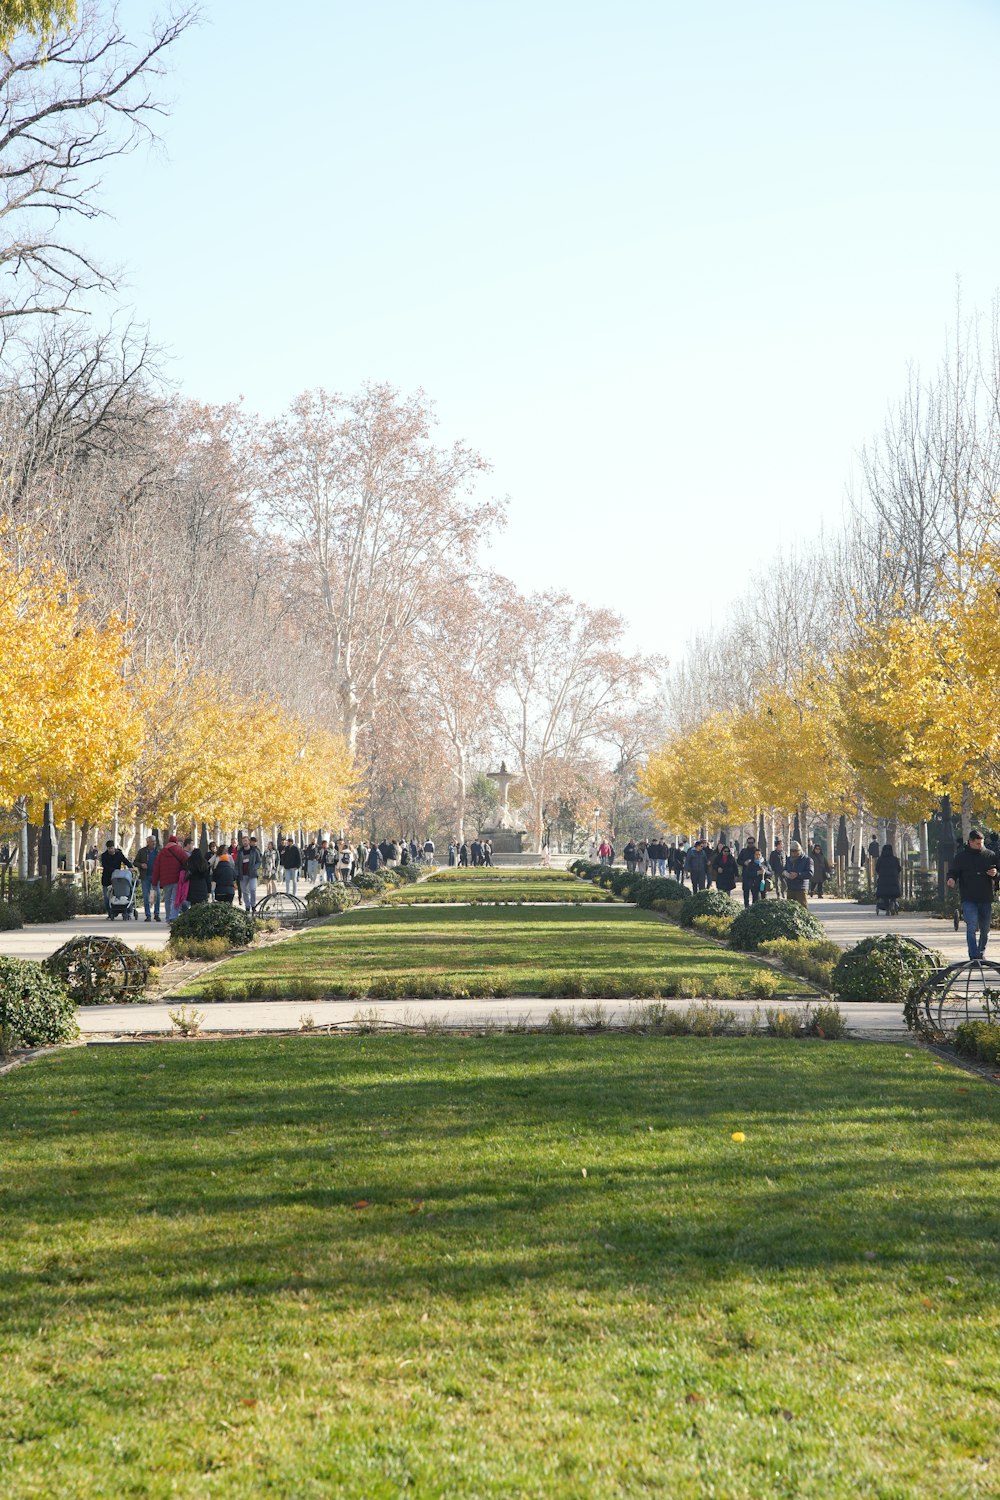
x: 798, y: 873
x: 269, y: 868
x: 776, y: 859
x: 247, y: 868
x: 111, y: 860
x: 973, y: 870
x: 888, y: 881
x: 166, y: 872
x: 199, y: 876
x: 224, y: 878
x: 821, y: 869
x: 374, y: 861
x: 630, y: 855
x: 753, y: 870
x: 488, y: 853
x: 726, y: 870
x: 346, y: 864
x: 463, y: 856
x: 452, y: 856
x: 144, y: 862
x: 428, y: 851
x: 696, y: 865
x: 291, y: 864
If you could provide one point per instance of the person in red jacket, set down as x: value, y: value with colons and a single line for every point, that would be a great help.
x: 169, y: 863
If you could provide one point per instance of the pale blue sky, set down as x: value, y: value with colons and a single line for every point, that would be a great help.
x: 663, y: 264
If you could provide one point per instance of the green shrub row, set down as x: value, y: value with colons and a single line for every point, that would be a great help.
x: 813, y: 958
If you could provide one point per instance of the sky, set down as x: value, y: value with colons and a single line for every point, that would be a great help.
x: 664, y: 265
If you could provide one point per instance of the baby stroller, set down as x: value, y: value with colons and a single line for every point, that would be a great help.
x: 888, y: 904
x: 121, y: 902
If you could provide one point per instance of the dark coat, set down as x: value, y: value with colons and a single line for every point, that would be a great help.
x: 969, y: 868
x: 199, y: 877
x: 726, y: 871
x: 888, y: 886
x: 224, y: 878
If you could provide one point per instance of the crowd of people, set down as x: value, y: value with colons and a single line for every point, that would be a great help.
x: 179, y: 873
x: 792, y: 875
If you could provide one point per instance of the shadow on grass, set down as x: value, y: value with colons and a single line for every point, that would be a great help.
x: 223, y: 1170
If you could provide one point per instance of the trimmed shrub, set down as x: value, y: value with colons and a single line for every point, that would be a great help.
x: 40, y: 903
x: 763, y: 984
x: 647, y: 889
x: 215, y: 919
x: 371, y: 883
x: 979, y: 1039
x: 772, y: 919
x: 717, y: 927
x: 671, y: 909
x: 205, y: 950
x: 708, y: 904
x: 10, y: 917
x: 888, y: 970
x: 34, y: 1007
x: 329, y: 898
x: 813, y: 958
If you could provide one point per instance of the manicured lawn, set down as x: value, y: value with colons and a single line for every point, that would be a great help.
x: 194, y: 1302
x: 527, y: 948
x: 507, y: 872
x: 543, y: 886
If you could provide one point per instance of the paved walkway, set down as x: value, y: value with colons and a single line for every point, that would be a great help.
x: 848, y: 922
x: 38, y: 941
x: 286, y: 1015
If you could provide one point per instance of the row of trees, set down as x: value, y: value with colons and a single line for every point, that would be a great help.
x: 206, y: 603
x: 862, y: 679
x: 103, y: 738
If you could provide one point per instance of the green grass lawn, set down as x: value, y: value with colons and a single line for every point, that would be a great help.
x: 536, y: 888
x: 530, y: 949
x: 506, y: 872
x: 509, y: 1266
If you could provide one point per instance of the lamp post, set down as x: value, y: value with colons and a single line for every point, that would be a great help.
x: 946, y: 845
x: 597, y: 814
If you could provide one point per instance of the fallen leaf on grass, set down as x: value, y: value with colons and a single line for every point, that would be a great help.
x: 693, y: 1399
x: 786, y: 1414
x: 951, y: 1280
x: 737, y: 1135
x: 361, y: 1203
x: 416, y: 1207
x: 952, y: 1363
x: 926, y: 1302
x: 961, y: 1091
x: 583, y: 1172
x: 248, y: 1401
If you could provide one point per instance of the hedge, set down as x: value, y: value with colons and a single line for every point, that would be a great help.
x: 766, y: 920
x: 216, y: 919
x: 888, y: 970
x: 707, y: 904
x: 34, y: 1008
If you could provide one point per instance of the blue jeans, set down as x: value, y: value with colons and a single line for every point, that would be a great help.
x: 169, y: 894
x: 977, y: 914
x: 147, y: 889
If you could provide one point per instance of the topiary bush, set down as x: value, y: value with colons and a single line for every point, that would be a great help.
x: 10, y: 917
x: 708, y: 904
x: 215, y: 919
x: 332, y: 897
x: 772, y: 919
x: 979, y: 1039
x: 34, y: 1007
x: 372, y: 883
x: 888, y: 970
x: 649, y: 888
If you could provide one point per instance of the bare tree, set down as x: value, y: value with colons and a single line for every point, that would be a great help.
x: 377, y: 519
x: 68, y: 104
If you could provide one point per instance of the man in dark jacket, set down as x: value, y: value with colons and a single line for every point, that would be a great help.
x: 111, y: 860
x: 776, y: 859
x: 291, y: 862
x: 799, y: 872
x: 374, y: 861
x: 696, y: 865
x: 973, y: 870
x: 144, y: 862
